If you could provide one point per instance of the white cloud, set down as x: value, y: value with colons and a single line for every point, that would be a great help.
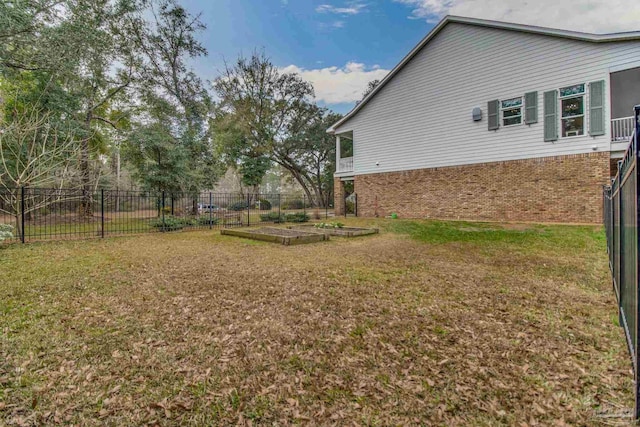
x: 335, y: 85
x: 596, y: 16
x: 352, y: 8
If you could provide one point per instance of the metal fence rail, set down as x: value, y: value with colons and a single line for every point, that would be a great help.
x: 621, y: 227
x: 38, y: 214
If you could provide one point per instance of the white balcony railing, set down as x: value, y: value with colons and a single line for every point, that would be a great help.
x: 345, y: 164
x: 622, y: 129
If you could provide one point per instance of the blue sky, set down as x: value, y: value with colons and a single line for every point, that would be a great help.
x: 340, y: 45
x: 310, y: 37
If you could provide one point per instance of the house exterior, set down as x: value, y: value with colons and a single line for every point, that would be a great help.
x: 496, y: 121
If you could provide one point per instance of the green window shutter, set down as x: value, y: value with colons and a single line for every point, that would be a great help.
x: 551, y: 115
x: 531, y: 108
x: 493, y: 108
x: 596, y: 108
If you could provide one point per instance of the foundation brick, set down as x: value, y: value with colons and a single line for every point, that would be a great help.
x: 551, y: 189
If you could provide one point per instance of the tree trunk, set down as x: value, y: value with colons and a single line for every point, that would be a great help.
x: 194, y: 207
x: 254, y: 194
x: 319, y: 200
x: 303, y: 183
x: 118, y: 179
x: 86, y: 205
x: 17, y: 209
x: 320, y: 194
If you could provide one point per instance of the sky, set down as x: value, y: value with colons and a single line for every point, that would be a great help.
x: 341, y: 45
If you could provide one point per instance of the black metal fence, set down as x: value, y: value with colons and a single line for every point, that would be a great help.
x: 621, y: 223
x: 36, y: 214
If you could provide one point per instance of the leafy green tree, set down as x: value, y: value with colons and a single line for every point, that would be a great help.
x: 309, y: 155
x: 172, y: 92
x: 105, y: 72
x: 260, y: 108
x: 268, y: 117
x: 160, y: 163
x: 239, y: 152
x: 111, y: 73
x: 81, y: 63
x: 25, y: 27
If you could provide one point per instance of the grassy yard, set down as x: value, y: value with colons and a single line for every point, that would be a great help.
x: 427, y: 323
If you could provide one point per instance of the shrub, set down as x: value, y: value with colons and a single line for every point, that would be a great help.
x: 350, y: 207
x: 238, y: 206
x: 171, y: 223
x: 293, y: 204
x: 265, y: 205
x: 205, y: 220
x: 329, y: 225
x: 297, y: 217
x: 6, y: 232
x: 232, y: 220
x: 166, y: 209
x: 272, y: 217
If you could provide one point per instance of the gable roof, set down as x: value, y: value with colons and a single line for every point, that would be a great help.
x: 574, y: 35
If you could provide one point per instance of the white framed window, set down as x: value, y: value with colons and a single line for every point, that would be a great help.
x: 511, y: 111
x: 572, y: 110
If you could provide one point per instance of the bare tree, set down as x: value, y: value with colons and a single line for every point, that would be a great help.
x: 34, y: 152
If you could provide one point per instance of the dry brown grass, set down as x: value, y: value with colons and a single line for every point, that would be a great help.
x: 463, y: 324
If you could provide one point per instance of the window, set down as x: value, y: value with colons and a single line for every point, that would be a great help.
x: 572, y: 109
x: 511, y: 110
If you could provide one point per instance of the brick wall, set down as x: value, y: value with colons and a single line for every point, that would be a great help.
x: 338, y: 196
x: 561, y: 188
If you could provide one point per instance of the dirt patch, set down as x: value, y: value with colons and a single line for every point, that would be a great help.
x: 278, y: 232
x: 337, y: 231
x: 283, y: 236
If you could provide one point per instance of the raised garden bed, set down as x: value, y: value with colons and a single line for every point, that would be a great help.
x: 337, y: 231
x: 283, y: 236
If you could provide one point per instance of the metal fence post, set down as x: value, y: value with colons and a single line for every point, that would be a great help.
x: 102, y: 211
x: 162, y: 210
x: 248, y: 209
x: 210, y: 211
x: 279, y: 204
x: 22, y: 214
x: 304, y: 205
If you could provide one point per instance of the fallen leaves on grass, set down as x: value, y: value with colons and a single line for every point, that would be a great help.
x: 198, y: 329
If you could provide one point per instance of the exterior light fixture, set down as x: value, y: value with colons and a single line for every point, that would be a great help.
x: 476, y: 113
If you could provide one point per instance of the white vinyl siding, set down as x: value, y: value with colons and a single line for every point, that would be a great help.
x: 412, y: 123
